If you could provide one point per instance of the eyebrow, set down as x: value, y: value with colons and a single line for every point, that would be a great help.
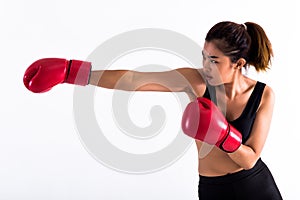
x: 210, y: 56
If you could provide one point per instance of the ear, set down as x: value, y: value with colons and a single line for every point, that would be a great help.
x: 240, y: 63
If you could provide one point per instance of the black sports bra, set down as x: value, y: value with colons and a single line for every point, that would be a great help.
x: 245, y: 121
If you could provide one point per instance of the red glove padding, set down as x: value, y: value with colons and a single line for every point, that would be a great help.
x: 45, y: 73
x: 202, y: 120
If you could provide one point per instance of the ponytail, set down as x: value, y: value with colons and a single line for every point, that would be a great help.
x: 260, y: 52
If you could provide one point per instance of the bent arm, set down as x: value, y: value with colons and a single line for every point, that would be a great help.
x: 248, y: 154
x: 177, y: 80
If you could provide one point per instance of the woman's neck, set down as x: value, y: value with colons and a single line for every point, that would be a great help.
x: 236, y: 87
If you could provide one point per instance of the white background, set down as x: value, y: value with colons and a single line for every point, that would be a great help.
x: 41, y: 156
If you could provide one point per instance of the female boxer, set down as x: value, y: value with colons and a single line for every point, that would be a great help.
x: 229, y: 115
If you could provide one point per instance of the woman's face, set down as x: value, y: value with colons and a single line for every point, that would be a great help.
x: 218, y: 68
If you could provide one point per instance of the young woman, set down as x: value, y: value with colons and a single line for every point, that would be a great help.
x: 247, y: 104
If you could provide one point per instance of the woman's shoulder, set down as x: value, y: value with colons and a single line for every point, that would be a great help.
x: 195, y: 79
x: 193, y: 75
x: 268, y: 96
x: 268, y: 93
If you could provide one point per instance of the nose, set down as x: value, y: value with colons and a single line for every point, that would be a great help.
x: 206, y: 65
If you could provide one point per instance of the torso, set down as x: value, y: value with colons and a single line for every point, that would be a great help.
x: 210, y: 156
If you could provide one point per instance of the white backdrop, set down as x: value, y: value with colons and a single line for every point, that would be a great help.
x: 41, y: 155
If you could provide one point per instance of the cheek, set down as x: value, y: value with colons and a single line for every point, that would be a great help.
x: 217, y: 75
x: 224, y: 69
x: 221, y: 74
x: 218, y: 71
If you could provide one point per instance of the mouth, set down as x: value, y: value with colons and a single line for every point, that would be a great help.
x: 208, y: 77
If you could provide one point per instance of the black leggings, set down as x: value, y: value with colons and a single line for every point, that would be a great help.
x: 254, y: 184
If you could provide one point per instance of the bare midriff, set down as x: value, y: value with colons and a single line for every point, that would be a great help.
x: 214, y: 162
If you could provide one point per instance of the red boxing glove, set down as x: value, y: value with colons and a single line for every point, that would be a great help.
x: 45, y: 73
x: 202, y: 120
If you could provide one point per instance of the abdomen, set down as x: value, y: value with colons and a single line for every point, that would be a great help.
x: 213, y: 161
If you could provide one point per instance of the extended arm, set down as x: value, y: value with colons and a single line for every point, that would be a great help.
x: 46, y: 73
x: 177, y: 80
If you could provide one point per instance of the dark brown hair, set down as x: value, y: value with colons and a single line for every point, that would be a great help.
x: 248, y: 41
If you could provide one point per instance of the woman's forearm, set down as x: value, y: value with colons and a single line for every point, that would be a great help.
x: 112, y: 79
x: 245, y: 157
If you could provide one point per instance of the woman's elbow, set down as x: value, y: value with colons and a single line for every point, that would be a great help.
x: 248, y: 165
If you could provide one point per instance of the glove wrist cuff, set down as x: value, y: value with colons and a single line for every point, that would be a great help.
x: 78, y: 72
x: 232, y: 141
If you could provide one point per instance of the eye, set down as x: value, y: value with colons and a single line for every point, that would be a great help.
x: 213, y: 61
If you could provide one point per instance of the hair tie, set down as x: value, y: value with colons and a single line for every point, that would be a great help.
x: 245, y: 26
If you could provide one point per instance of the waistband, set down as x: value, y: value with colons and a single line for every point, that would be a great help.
x: 229, y: 178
